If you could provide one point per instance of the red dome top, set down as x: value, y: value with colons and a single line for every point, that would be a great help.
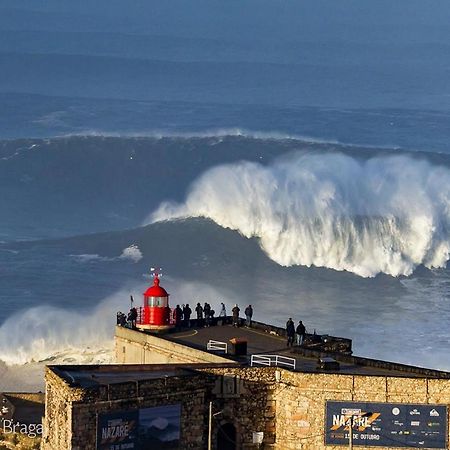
x: 156, y: 290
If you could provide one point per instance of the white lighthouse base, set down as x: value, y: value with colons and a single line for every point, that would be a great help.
x: 154, y: 328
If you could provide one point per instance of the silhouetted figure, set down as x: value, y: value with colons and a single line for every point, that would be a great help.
x: 248, y: 315
x: 235, y: 312
x: 132, y: 316
x: 187, y: 311
x: 300, y: 333
x: 178, y: 313
x: 223, y: 311
x: 290, y: 332
x: 199, y: 311
x: 207, y: 312
x: 121, y: 319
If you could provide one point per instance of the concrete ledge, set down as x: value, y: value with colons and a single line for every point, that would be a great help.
x: 368, y: 362
x: 137, y: 347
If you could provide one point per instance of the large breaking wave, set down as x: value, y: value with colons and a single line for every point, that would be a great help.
x: 387, y: 214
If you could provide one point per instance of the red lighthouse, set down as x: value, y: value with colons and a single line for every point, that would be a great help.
x: 155, y: 314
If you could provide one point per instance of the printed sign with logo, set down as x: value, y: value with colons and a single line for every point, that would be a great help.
x: 117, y: 431
x: 140, y: 429
x: 386, y: 424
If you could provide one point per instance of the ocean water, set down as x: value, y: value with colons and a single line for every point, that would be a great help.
x: 300, y: 164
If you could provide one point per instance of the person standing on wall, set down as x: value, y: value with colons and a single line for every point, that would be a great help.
x: 178, y: 316
x: 132, y: 317
x: 248, y: 315
x: 223, y: 311
x: 300, y: 333
x: 207, y: 312
x: 290, y: 332
x: 235, y: 312
x: 199, y: 311
x: 187, y: 311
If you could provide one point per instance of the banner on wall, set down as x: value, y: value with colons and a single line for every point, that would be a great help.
x: 140, y: 429
x: 386, y: 424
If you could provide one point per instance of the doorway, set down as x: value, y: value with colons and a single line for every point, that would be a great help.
x: 226, y: 437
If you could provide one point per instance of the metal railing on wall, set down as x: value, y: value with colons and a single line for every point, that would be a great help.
x: 217, y: 346
x: 273, y: 360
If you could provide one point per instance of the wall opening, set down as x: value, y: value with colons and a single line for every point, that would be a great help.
x: 226, y: 437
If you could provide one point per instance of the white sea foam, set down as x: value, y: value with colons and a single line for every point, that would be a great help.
x: 131, y: 253
x: 54, y: 334
x: 219, y: 133
x: 387, y: 214
x: 208, y: 133
x: 49, y: 333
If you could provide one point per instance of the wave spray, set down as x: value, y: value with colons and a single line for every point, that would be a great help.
x: 387, y: 214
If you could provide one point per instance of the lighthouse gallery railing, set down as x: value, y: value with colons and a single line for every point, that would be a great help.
x: 140, y: 316
x: 273, y: 360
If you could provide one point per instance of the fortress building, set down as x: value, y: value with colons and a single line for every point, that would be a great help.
x: 222, y: 387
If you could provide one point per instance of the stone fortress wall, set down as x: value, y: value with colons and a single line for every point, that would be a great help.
x: 288, y: 407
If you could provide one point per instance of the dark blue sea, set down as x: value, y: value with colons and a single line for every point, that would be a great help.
x: 290, y: 155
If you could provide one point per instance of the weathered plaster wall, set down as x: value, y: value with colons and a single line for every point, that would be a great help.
x: 135, y: 347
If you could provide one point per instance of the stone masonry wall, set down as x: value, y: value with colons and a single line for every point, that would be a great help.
x: 189, y: 393
x: 254, y: 410
x: 58, y: 412
x: 301, y: 400
x: 288, y: 407
x: 71, y: 417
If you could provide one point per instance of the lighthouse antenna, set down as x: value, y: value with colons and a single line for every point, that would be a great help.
x: 156, y: 272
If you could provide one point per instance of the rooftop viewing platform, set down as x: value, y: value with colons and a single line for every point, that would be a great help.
x: 262, y: 344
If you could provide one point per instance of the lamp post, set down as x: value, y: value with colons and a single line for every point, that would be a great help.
x: 210, y: 426
x: 350, y: 433
x: 211, y: 415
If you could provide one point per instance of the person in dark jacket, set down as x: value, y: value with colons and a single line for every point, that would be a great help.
x: 199, y: 311
x: 132, y: 316
x: 248, y: 315
x: 178, y: 316
x: 121, y: 319
x: 235, y: 312
x: 300, y: 333
x: 187, y: 311
x: 290, y: 332
x: 207, y: 312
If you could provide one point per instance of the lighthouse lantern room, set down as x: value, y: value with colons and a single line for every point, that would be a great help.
x: 155, y: 314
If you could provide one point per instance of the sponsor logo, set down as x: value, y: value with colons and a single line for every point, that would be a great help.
x: 414, y: 412
x: 350, y: 411
x: 415, y: 423
x: 358, y: 421
x: 434, y: 413
x: 434, y: 424
x: 395, y: 411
